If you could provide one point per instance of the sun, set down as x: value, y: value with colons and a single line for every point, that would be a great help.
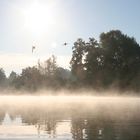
x: 38, y: 17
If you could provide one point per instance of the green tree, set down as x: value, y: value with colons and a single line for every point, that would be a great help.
x: 114, y: 60
x: 30, y: 78
x: 48, y: 68
x: 49, y: 71
x: 121, y: 57
x: 2, y: 77
x: 94, y: 61
x: 77, y: 61
x: 12, y: 77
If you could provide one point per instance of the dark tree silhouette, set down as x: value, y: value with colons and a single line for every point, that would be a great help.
x: 2, y: 78
x: 113, y: 61
x: 121, y: 58
x: 77, y: 65
x: 30, y: 78
x: 12, y: 78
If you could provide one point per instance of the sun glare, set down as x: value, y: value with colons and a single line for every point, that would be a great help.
x: 38, y: 17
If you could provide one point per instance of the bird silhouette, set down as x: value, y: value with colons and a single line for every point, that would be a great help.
x: 33, y: 48
x: 65, y: 44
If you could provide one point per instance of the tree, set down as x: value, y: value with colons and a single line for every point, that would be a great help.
x: 51, y: 66
x: 122, y: 57
x: 2, y: 77
x: 48, y: 68
x: 94, y: 61
x: 12, y: 77
x: 87, y: 61
x: 115, y: 59
x: 49, y: 71
x: 30, y: 78
x: 77, y: 61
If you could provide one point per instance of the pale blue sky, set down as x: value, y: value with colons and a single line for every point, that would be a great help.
x: 47, y: 24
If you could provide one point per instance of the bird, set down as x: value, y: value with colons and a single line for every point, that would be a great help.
x: 65, y: 44
x: 33, y: 48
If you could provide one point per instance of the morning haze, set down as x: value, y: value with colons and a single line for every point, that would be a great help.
x: 69, y: 70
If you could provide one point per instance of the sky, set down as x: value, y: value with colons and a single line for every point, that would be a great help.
x: 47, y: 24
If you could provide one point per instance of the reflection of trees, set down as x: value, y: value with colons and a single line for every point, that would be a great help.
x: 77, y: 128
x: 46, y: 124
x: 89, y: 129
x: 127, y: 131
x: 85, y: 124
x: 98, y: 129
x: 92, y: 129
x: 2, y: 114
x: 43, y: 120
x: 50, y: 126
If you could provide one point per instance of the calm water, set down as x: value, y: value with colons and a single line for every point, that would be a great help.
x: 70, y: 118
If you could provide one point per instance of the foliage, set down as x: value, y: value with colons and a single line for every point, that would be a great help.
x: 12, y: 77
x: 44, y: 75
x: 30, y: 78
x: 77, y: 65
x: 2, y: 78
x: 114, y: 60
x: 48, y: 68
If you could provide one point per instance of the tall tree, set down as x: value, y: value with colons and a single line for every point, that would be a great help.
x: 48, y: 68
x: 12, y: 76
x: 115, y: 59
x: 2, y: 77
x: 122, y: 57
x: 51, y: 66
x: 93, y: 61
x: 30, y: 78
x: 77, y: 61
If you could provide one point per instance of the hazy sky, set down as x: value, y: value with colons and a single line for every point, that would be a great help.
x: 47, y: 24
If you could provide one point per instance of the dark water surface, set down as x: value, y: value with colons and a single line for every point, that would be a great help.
x: 70, y: 118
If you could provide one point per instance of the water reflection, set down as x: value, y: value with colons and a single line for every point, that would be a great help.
x: 11, y: 121
x: 98, y: 121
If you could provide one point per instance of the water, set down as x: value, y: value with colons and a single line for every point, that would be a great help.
x: 69, y: 118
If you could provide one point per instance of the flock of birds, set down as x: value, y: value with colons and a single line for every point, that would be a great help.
x: 34, y: 47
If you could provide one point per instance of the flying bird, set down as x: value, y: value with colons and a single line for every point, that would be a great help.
x: 33, y: 48
x: 65, y: 44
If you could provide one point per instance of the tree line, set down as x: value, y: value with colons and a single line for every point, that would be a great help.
x: 44, y: 75
x: 111, y: 62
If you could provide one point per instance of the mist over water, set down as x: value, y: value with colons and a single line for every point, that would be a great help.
x: 70, y: 117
